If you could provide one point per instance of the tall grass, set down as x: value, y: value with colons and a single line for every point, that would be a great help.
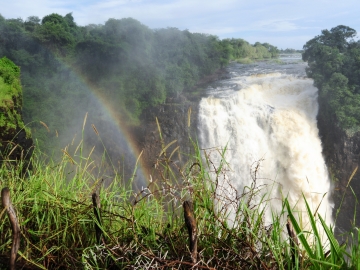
x: 145, y: 229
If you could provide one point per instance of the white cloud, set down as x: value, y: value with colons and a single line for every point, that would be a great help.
x: 264, y: 19
x: 276, y: 25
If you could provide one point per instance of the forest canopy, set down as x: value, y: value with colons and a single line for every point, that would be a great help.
x: 125, y: 62
x: 334, y: 63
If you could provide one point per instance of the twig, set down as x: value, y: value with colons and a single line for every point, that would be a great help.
x: 171, y: 263
x: 294, y: 242
x: 191, y: 226
x: 96, y: 204
x: 5, y: 195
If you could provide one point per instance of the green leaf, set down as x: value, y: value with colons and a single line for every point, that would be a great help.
x: 300, y: 235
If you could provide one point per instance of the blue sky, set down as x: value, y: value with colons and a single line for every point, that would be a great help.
x: 283, y: 23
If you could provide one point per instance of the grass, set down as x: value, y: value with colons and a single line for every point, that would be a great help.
x: 145, y: 228
x: 244, y: 60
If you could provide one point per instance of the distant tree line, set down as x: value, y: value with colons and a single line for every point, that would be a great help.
x: 334, y: 63
x: 130, y: 65
x: 237, y: 48
x: 288, y: 50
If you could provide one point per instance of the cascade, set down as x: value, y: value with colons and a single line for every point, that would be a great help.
x: 266, y: 125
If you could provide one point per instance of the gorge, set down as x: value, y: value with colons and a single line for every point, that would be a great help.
x: 148, y: 119
x: 256, y: 126
x: 268, y: 118
x: 264, y: 115
x: 305, y: 153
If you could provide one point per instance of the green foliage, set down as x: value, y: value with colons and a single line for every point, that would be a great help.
x: 240, y: 50
x: 333, y: 59
x: 64, y: 67
x: 54, y: 32
x: 288, y: 50
x: 31, y: 23
x: 10, y: 98
x: 10, y: 73
x: 244, y: 61
x: 145, y: 228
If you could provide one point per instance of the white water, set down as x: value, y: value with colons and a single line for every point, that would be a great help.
x: 271, y: 119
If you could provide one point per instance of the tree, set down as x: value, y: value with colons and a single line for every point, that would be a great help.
x: 133, y: 66
x: 54, y: 32
x: 274, y: 51
x: 338, y: 37
x: 31, y: 23
x: 334, y: 63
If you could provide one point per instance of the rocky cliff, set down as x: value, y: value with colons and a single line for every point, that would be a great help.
x: 342, y: 155
x: 15, y: 139
x: 178, y: 121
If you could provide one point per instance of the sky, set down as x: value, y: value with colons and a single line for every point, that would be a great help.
x: 282, y: 23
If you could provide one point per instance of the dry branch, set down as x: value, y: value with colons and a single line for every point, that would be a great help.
x: 5, y: 195
x: 294, y: 242
x: 192, y: 230
x: 96, y: 205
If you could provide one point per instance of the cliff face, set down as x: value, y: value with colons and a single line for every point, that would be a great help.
x: 342, y: 155
x: 177, y: 121
x: 15, y: 139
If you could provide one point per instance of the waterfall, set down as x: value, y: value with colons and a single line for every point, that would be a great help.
x: 268, y: 127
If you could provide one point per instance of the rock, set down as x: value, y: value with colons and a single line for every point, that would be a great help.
x: 173, y: 119
x: 178, y: 120
x: 341, y: 150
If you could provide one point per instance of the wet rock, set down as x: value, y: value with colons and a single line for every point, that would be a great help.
x: 341, y: 150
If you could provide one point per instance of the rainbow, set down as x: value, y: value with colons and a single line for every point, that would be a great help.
x: 112, y: 115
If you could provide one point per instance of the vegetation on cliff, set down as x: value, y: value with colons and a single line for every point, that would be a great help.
x: 15, y: 138
x: 10, y: 97
x: 334, y: 64
x: 66, y: 67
